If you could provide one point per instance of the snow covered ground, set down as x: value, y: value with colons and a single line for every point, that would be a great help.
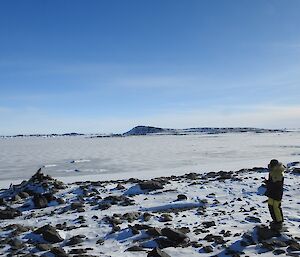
x: 211, y: 212
x: 76, y: 158
x: 191, y: 215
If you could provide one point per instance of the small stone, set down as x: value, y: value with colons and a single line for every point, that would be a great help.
x: 294, y: 246
x: 165, y: 217
x: 278, y: 252
x: 100, y: 241
x: 208, y: 249
x: 24, y: 195
x: 253, y: 219
x: 208, y: 224
x: 76, y: 205
x: 43, y: 247
x: 75, y: 240
x: 147, y: 216
x: 181, y: 197
x: 120, y: 187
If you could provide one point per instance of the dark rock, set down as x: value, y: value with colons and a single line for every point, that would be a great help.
x: 278, y: 252
x: 253, y: 219
x: 150, y: 185
x: 100, y: 241
x: 131, y: 216
x: 267, y: 246
x: 296, y: 170
x: 165, y: 217
x: 15, y: 243
x: 44, y: 247
x: 104, y: 206
x: 120, y: 187
x: 208, y: 249
x: 60, y: 201
x: 75, y: 240
x: 9, y: 213
x: 76, y: 205
x: 118, y: 200
x: 156, y: 252
x: 2, y: 202
x: 49, y: 233
x: 224, y: 175
x: 174, y: 235
x: 196, y: 244
x: 213, y: 238
x: 16, y: 198
x: 278, y: 243
x: 154, y: 232
x: 24, y: 195
x: 78, y: 251
x: 115, y: 228
x: 181, y: 197
x: 184, y: 230
x: 40, y: 201
x: 18, y: 228
x: 134, y: 248
x: 141, y: 226
x: 293, y: 246
x: 192, y: 176
x: 227, y: 234
x: 147, y: 216
x: 208, y: 224
x: 80, y: 209
x: 164, y: 242
x: 134, y: 231
x: 50, y: 197
x: 59, y: 252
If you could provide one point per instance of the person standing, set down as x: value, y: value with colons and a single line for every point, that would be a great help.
x: 275, y: 192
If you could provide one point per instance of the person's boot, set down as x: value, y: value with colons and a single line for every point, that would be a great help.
x: 277, y: 226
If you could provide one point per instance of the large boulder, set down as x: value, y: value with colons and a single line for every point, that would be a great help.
x: 151, y: 185
x: 174, y: 235
x: 49, y: 233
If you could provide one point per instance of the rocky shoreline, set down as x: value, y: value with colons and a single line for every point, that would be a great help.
x: 211, y: 214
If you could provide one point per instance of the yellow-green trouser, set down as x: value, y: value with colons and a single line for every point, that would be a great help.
x: 275, y: 210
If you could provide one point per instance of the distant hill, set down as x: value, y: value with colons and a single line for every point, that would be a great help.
x: 147, y: 130
x: 143, y: 130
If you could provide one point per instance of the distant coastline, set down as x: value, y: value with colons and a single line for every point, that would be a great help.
x: 149, y: 130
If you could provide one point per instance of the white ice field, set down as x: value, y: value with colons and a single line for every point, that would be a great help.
x: 81, y: 158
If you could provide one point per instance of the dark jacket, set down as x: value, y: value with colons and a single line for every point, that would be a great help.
x: 275, y: 183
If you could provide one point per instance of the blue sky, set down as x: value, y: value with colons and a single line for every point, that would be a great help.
x: 105, y: 66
